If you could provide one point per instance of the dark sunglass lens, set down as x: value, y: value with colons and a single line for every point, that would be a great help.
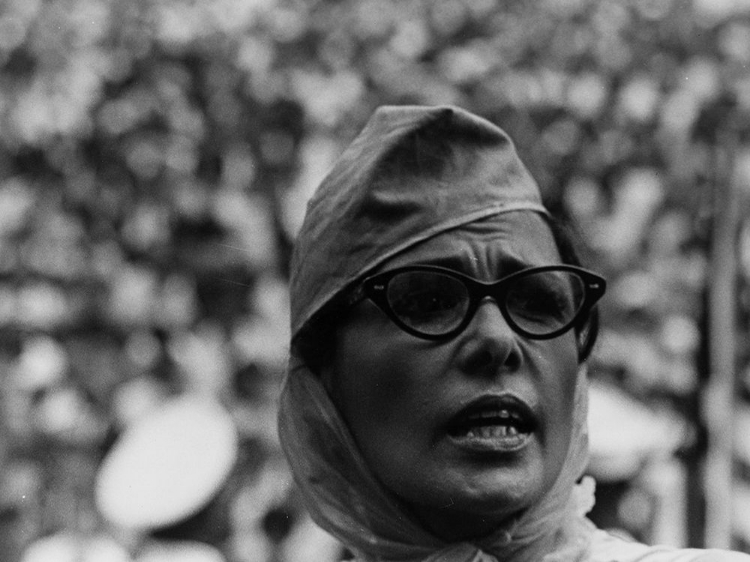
x: 543, y: 302
x: 430, y: 302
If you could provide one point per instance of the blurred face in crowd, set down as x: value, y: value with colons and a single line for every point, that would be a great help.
x: 471, y: 430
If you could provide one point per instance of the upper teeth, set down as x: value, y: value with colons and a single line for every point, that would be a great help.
x: 504, y: 414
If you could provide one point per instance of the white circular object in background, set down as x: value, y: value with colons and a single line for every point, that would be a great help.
x: 168, y: 465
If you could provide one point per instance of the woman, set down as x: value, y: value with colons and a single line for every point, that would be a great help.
x: 435, y: 407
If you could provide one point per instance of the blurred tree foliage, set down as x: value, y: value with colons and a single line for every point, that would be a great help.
x: 156, y: 155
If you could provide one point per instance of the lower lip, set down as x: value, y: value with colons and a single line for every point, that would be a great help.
x: 494, y: 442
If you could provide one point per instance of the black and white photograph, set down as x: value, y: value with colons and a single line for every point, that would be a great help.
x: 374, y: 281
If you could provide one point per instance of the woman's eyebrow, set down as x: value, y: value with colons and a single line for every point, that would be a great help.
x: 449, y: 261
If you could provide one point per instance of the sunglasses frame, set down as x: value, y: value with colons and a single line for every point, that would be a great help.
x: 375, y: 288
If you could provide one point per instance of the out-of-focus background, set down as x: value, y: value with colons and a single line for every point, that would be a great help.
x: 155, y: 160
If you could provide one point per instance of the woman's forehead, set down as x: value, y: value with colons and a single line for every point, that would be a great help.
x: 507, y: 241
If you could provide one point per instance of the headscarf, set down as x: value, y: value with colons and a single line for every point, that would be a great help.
x: 412, y: 173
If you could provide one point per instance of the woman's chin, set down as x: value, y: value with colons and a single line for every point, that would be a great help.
x: 469, y: 516
x: 458, y: 496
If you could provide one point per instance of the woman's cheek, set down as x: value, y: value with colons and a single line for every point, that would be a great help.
x: 558, y: 372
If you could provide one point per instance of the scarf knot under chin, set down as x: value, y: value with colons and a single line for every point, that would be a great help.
x: 344, y: 497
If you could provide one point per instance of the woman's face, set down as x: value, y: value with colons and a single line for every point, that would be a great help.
x: 469, y: 431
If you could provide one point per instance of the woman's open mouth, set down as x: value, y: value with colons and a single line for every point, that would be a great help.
x: 496, y: 423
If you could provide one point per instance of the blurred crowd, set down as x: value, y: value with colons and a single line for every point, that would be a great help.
x: 155, y: 161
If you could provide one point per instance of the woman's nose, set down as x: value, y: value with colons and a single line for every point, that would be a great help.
x: 490, y: 346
